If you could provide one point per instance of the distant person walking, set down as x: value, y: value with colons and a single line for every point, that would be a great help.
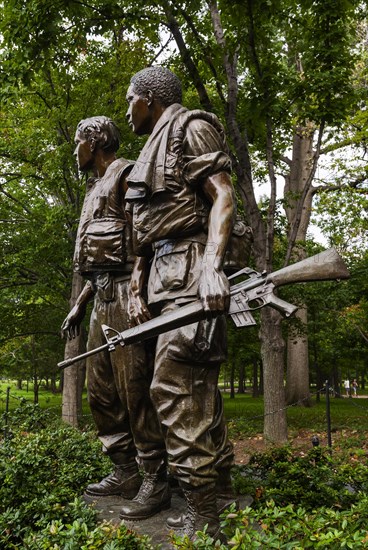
x: 347, y: 387
x: 354, y: 385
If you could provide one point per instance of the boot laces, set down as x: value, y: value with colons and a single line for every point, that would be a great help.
x: 116, y: 473
x: 190, y: 516
x: 146, y: 488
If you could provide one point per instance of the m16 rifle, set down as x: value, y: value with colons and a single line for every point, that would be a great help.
x: 246, y: 296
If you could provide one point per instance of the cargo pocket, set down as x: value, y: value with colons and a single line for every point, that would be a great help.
x: 200, y: 343
x: 171, y: 266
x: 105, y: 243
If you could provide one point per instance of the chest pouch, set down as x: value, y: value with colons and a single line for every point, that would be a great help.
x: 105, y: 244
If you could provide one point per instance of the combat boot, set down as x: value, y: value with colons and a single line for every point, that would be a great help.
x: 225, y: 495
x: 153, y: 496
x: 124, y: 481
x: 201, y: 511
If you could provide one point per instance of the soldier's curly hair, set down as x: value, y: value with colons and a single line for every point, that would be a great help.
x: 165, y: 85
x: 101, y: 129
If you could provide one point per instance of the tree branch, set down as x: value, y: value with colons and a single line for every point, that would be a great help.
x: 200, y: 41
x: 162, y: 49
x: 12, y: 176
x: 341, y: 186
x: 15, y: 200
x: 187, y: 58
x: 34, y: 333
x: 306, y: 190
x: 362, y: 334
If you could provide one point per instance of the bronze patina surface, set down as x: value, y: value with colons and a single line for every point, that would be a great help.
x: 118, y: 384
x: 182, y: 204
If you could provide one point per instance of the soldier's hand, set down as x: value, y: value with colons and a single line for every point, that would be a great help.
x: 214, y: 290
x: 137, y: 310
x: 71, y: 324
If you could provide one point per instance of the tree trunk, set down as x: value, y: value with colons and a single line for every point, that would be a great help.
x: 301, y: 167
x: 335, y: 381
x: 241, y: 387
x: 232, y: 380
x: 362, y: 380
x: 255, y: 390
x: 272, y: 350
x: 74, y: 376
x: 36, y: 382
x: 261, y: 384
x: 53, y: 384
x: 36, y: 386
x: 297, y: 379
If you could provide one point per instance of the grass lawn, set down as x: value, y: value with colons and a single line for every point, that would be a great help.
x: 244, y: 412
x: 345, y: 413
x: 46, y: 399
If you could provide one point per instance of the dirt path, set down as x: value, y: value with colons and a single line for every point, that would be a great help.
x: 301, y: 443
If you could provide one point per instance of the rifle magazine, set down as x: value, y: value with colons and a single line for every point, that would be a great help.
x: 243, y: 319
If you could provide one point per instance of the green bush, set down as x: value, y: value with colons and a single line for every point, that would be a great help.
x: 311, y: 500
x: 44, y: 468
x: 293, y: 527
x: 80, y: 535
x: 311, y: 480
x: 289, y: 527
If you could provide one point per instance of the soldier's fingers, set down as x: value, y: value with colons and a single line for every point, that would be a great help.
x: 146, y: 314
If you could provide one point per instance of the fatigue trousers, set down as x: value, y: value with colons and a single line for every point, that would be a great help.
x: 118, y: 384
x: 186, y: 396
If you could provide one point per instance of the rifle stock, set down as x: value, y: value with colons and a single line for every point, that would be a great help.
x: 327, y: 265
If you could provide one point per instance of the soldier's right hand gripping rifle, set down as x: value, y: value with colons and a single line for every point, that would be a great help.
x: 255, y: 292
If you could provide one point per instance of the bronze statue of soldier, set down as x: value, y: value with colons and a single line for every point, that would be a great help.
x: 182, y: 204
x: 118, y: 384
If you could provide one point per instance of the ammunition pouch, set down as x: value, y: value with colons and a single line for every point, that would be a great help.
x: 104, y: 244
x: 239, y: 247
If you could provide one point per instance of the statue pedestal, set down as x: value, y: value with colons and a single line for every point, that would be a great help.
x: 108, y: 508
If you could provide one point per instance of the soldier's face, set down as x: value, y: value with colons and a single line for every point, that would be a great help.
x: 83, y: 152
x: 138, y: 114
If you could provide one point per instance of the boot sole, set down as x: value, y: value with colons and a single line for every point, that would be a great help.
x: 165, y: 506
x: 111, y: 494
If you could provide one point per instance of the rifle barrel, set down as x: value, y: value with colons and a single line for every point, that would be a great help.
x: 185, y: 315
x: 68, y: 362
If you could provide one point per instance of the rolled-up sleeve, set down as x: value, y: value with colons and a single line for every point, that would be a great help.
x: 204, y: 152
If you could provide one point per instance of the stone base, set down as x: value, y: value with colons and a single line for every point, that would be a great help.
x: 108, y: 508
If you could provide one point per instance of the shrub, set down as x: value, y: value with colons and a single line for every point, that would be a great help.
x: 44, y: 468
x: 311, y: 480
x: 289, y: 527
x: 293, y: 527
x: 81, y: 535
